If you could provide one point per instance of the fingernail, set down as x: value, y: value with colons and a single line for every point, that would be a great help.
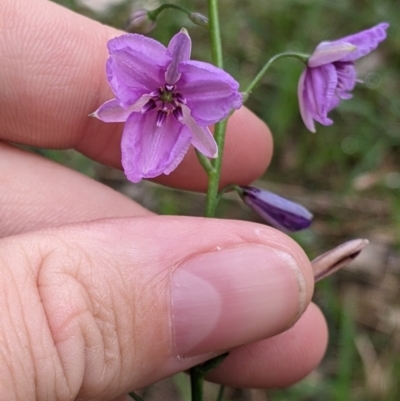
x: 234, y: 296
x: 333, y: 260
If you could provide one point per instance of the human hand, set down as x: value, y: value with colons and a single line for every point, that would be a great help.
x: 99, y: 296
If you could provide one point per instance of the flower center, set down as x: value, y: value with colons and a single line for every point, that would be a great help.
x: 167, y: 100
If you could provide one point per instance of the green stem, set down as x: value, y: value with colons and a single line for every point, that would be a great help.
x: 154, y: 13
x: 135, y: 396
x: 196, y: 378
x: 196, y: 18
x: 220, y: 392
x: 260, y: 75
x: 215, y: 33
x: 196, y: 384
x: 219, y: 128
x: 213, y: 179
x: 206, y: 163
x: 226, y: 189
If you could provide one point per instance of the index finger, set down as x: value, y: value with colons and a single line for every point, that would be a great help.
x: 53, y: 76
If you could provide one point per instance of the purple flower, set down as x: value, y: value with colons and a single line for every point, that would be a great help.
x: 140, y: 22
x: 277, y: 211
x: 330, y: 75
x: 166, y: 102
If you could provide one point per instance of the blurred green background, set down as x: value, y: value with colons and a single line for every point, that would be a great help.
x: 348, y: 175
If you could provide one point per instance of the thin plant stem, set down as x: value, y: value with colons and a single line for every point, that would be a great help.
x: 196, y: 384
x: 219, y: 128
x: 196, y: 18
x: 214, y: 178
x: 196, y: 378
x: 226, y: 189
x: 215, y: 33
x: 135, y: 396
x: 154, y: 13
x: 267, y: 65
x: 220, y: 392
x: 206, y: 163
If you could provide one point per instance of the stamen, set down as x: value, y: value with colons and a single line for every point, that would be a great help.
x: 150, y: 105
x: 169, y: 87
x: 180, y: 98
x: 161, y: 117
x: 178, y: 114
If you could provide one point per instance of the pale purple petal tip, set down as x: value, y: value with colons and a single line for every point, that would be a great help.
x: 111, y: 112
x: 366, y: 41
x: 202, y: 138
x: 179, y: 48
x: 277, y: 211
x: 304, y: 106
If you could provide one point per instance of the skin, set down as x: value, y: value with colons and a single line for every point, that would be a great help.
x: 86, y: 310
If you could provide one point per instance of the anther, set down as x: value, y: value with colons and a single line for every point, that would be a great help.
x: 161, y: 117
x: 178, y: 114
x: 180, y: 98
x: 150, y: 105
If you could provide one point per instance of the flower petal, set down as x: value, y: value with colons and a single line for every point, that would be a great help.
x: 179, y: 48
x: 211, y: 93
x: 113, y: 112
x: 321, y: 85
x: 136, y: 66
x: 365, y: 41
x: 141, y: 46
x: 328, y: 52
x: 202, y: 138
x: 347, y: 78
x: 304, y: 104
x: 148, y: 150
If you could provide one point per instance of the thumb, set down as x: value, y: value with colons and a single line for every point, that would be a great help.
x: 94, y: 310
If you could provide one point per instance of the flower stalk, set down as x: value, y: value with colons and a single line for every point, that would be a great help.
x: 196, y: 18
x: 214, y: 178
x: 220, y: 127
x: 214, y: 174
x: 205, y: 163
x: 302, y: 57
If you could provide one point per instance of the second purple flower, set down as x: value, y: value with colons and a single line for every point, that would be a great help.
x: 330, y: 75
x: 166, y: 100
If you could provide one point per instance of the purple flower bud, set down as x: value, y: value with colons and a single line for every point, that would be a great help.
x: 199, y: 19
x: 140, y: 22
x: 279, y: 212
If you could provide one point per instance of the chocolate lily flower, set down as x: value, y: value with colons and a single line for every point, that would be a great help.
x: 330, y: 75
x: 166, y: 101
